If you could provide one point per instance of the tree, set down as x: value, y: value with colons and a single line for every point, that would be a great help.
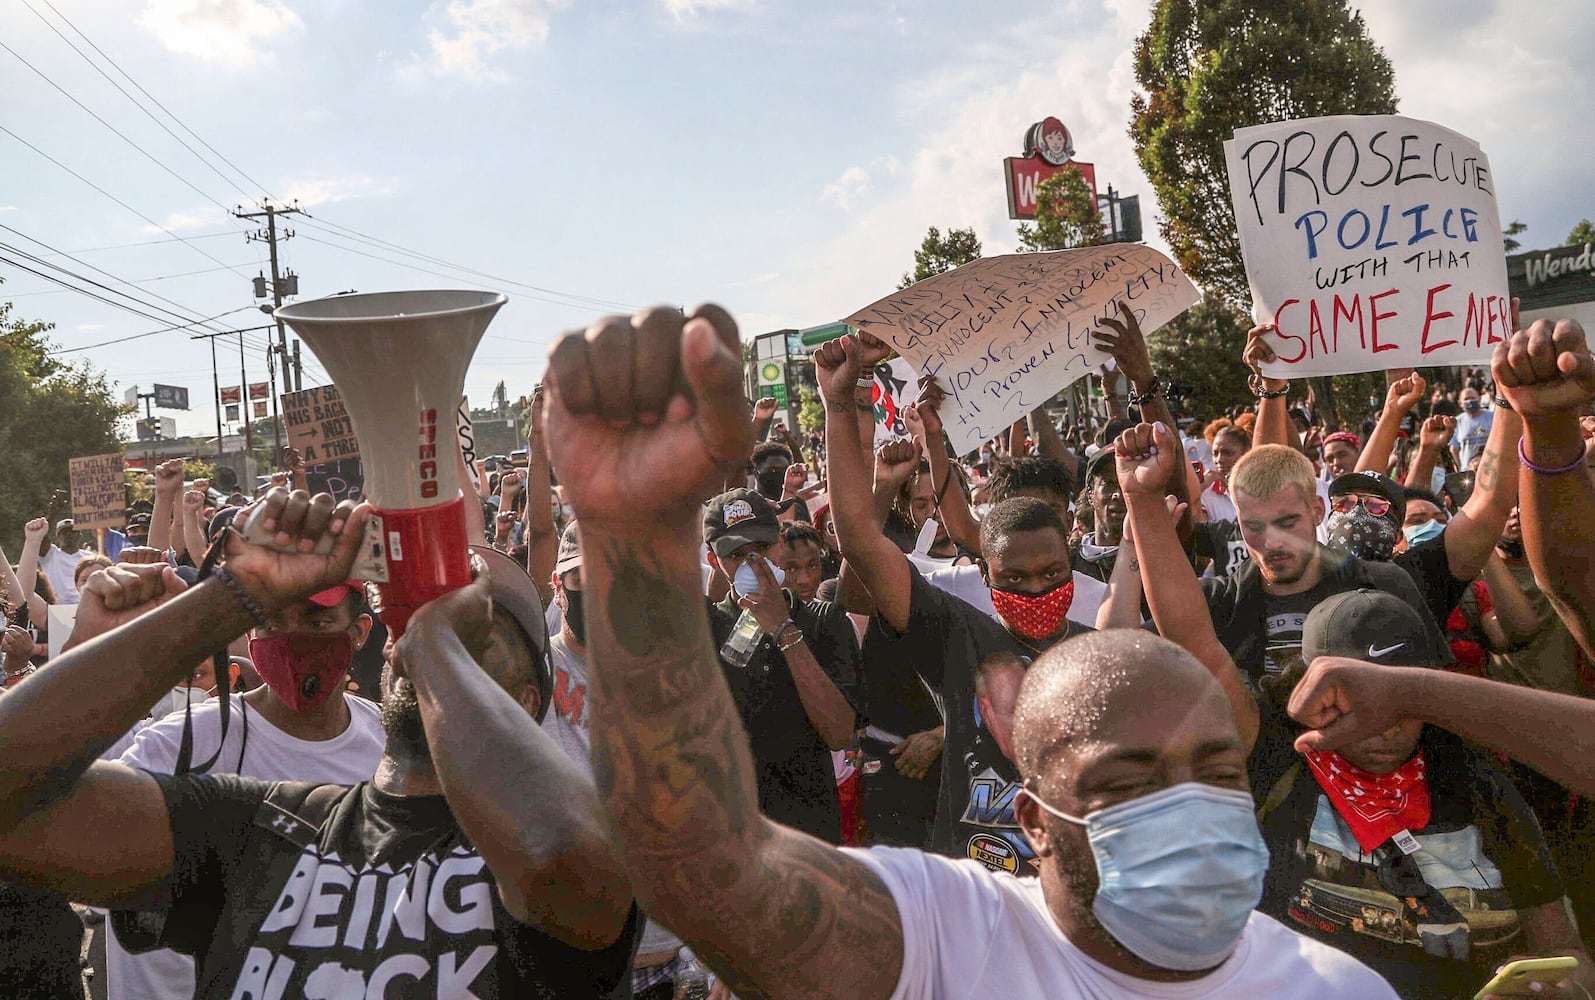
x: 811, y: 410
x: 52, y: 412
x: 1509, y: 234
x: 1582, y: 233
x: 1200, y: 353
x: 1066, y: 215
x: 937, y: 253
x: 1209, y: 67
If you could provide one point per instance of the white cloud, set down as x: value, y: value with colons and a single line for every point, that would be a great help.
x: 312, y: 191
x: 854, y: 182
x: 683, y: 9
x: 222, y: 32
x: 8, y: 208
x: 88, y: 327
x: 475, y: 31
x: 190, y: 219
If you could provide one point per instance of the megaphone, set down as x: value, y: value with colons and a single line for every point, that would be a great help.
x: 399, y: 360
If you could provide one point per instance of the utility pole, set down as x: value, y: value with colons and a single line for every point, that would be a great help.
x: 216, y: 381
x: 281, y: 287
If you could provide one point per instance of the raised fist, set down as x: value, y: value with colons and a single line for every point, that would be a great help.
x: 290, y: 569
x: 764, y: 409
x: 840, y: 363
x: 928, y: 407
x: 1147, y: 458
x: 1405, y: 393
x: 169, y: 477
x: 35, y: 530
x: 895, y: 463
x: 1437, y: 432
x: 646, y: 416
x: 1545, y: 369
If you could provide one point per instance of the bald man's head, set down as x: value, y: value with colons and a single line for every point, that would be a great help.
x: 1121, y: 686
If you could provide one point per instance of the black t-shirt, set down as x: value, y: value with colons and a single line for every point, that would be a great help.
x: 797, y: 783
x: 391, y: 899
x: 1430, y: 568
x: 1482, y: 849
x: 948, y: 640
x: 1221, y: 542
x: 1241, y: 608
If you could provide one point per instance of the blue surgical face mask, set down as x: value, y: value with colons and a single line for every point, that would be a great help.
x: 1423, y: 532
x: 747, y: 582
x: 1178, y: 872
x: 1472, y: 405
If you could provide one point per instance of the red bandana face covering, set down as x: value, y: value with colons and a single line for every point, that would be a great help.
x: 1034, y: 616
x: 1375, y: 806
x: 303, y: 668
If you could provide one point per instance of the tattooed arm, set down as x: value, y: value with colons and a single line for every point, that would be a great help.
x: 1474, y: 531
x: 774, y: 912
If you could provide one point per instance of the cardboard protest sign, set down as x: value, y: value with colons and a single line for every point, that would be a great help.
x: 318, y: 425
x: 342, y: 479
x: 99, y: 491
x: 1373, y: 242
x: 1001, y: 335
x: 896, y: 386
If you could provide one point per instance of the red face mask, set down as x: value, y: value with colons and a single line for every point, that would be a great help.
x: 303, y: 669
x: 1034, y: 616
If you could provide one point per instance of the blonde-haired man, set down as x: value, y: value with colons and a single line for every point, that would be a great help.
x: 1258, y: 609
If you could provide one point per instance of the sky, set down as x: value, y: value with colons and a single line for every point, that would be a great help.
x: 783, y: 159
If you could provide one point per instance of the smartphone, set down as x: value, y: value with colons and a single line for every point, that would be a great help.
x: 1514, y: 979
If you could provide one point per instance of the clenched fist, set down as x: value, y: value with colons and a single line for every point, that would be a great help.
x: 646, y: 416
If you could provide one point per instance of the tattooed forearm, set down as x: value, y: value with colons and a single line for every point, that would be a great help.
x: 774, y: 912
x: 1489, y: 465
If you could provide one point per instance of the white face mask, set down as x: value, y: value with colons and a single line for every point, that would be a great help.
x: 747, y: 582
x: 179, y: 698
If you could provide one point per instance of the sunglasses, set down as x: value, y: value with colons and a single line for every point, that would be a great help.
x: 1347, y: 502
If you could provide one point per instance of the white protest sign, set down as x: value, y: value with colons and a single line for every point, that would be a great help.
x: 1001, y: 335
x: 1373, y: 242
x: 896, y: 386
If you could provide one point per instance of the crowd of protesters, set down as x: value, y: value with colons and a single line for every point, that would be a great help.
x: 1137, y: 703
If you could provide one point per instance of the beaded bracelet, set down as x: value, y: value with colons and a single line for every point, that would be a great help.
x: 1573, y: 466
x: 243, y: 598
x: 1255, y: 383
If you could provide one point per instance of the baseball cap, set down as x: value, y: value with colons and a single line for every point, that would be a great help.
x: 1370, y: 625
x: 1378, y: 484
x: 570, y: 551
x: 1102, y: 466
x: 332, y: 595
x: 515, y: 594
x: 738, y: 518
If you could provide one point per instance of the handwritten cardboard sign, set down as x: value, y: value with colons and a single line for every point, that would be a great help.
x: 99, y: 491
x: 1373, y: 242
x: 1001, y: 335
x: 318, y: 425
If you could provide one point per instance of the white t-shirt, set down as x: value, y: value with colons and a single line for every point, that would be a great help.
x: 969, y: 932
x: 966, y: 584
x: 271, y: 755
x: 58, y: 568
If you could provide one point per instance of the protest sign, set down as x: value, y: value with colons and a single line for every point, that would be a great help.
x: 895, y: 387
x: 1002, y: 335
x: 99, y: 491
x: 342, y: 479
x: 1373, y: 242
x: 60, y: 619
x: 318, y: 425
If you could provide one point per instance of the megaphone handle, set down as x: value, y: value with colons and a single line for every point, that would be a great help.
x: 429, y: 554
x: 255, y: 533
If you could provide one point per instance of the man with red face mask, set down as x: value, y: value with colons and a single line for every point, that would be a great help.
x: 297, y: 726
x: 1027, y: 569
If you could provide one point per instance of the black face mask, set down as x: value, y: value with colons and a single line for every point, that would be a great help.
x: 575, y: 616
x: 1513, y: 547
x: 771, y: 483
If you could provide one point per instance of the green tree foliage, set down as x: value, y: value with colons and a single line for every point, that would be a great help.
x: 1201, y: 349
x: 1066, y: 215
x: 811, y: 410
x: 1582, y: 233
x: 1209, y: 67
x: 1509, y: 235
x: 51, y: 412
x: 938, y: 253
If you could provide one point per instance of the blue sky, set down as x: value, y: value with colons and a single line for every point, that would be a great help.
x: 783, y: 159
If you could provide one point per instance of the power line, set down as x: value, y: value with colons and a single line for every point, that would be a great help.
x: 241, y: 172
x: 130, y: 208
x: 142, y: 243
x: 185, y: 313
x: 135, y: 281
x: 114, y: 130
x: 96, y: 67
x: 348, y: 233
